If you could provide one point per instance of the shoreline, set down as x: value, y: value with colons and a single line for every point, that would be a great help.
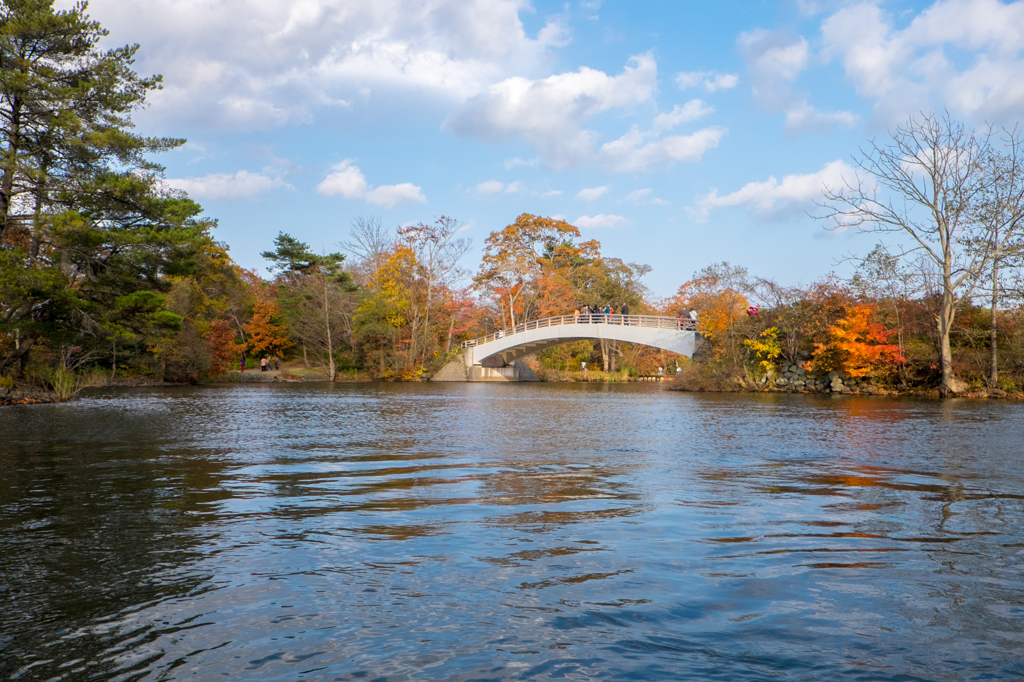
x: 34, y: 395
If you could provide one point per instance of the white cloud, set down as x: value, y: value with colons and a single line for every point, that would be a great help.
x: 256, y: 64
x: 585, y: 222
x: 551, y: 193
x: 494, y: 186
x: 772, y: 199
x: 636, y: 151
x: 489, y: 187
x: 516, y: 161
x: 963, y: 55
x: 637, y: 196
x: 775, y: 60
x: 710, y: 80
x: 347, y: 180
x: 722, y: 81
x: 802, y: 117
x: 643, y: 196
x: 591, y: 193
x: 690, y: 111
x: 549, y: 114
x: 228, y: 186
x: 556, y: 105
x: 389, y: 196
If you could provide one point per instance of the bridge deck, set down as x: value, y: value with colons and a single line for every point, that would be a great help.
x: 505, y: 346
x: 648, y: 321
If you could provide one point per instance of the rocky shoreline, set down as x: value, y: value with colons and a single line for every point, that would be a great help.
x: 27, y: 395
x: 796, y: 379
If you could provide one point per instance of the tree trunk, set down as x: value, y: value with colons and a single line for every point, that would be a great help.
x: 410, y: 359
x: 37, y: 228
x: 241, y: 330
x: 451, y: 328
x: 947, y: 311
x: 948, y: 386
x: 10, y: 168
x: 993, y: 380
x: 305, y: 355
x: 427, y: 343
x: 332, y: 370
x: 19, y: 355
x: 604, y: 355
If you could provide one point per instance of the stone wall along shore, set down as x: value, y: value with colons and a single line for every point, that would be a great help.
x: 27, y: 395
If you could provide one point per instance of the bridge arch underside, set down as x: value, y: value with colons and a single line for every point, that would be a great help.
x: 505, y: 351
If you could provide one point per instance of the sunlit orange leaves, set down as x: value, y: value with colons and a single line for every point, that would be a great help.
x: 856, y: 346
x: 265, y: 337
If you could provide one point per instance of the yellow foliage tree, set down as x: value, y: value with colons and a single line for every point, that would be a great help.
x: 391, y: 282
x: 766, y: 348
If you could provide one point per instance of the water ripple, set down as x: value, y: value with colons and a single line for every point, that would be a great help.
x: 503, y: 532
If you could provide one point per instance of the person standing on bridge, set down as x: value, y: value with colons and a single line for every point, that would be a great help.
x: 575, y: 316
x: 625, y: 313
x: 693, y: 317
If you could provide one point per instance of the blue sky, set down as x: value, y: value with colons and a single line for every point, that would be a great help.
x: 676, y: 133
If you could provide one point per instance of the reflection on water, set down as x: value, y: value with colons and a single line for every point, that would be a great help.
x: 465, y: 532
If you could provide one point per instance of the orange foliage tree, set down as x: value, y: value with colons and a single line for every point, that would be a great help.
x: 855, y: 345
x: 716, y: 292
x: 220, y: 339
x: 514, y: 260
x: 265, y: 337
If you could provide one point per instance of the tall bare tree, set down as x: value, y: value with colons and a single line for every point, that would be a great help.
x: 326, y: 305
x: 438, y: 250
x: 930, y: 181
x: 1002, y: 212
x: 369, y: 242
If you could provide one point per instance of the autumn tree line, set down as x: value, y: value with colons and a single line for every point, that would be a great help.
x: 108, y: 274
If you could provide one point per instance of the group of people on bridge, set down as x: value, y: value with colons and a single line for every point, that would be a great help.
x: 687, y: 319
x: 593, y: 314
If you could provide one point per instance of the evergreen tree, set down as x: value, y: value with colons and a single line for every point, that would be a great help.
x: 85, y: 219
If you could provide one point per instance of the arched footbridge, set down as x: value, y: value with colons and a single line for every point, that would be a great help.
x: 498, y: 352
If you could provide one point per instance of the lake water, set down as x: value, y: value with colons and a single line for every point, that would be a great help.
x: 507, y: 532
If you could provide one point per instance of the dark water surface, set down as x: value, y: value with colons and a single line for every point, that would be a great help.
x: 505, y: 532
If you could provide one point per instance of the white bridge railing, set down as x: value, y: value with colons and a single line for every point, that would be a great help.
x: 651, y: 321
